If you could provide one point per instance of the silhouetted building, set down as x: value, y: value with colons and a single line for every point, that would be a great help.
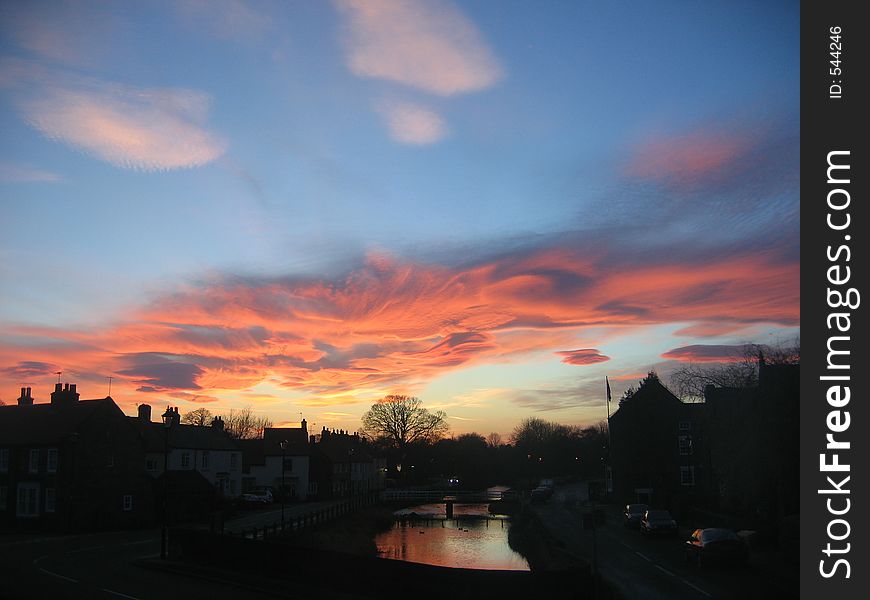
x: 205, y: 449
x: 754, y: 442
x: 71, y: 464
x: 343, y: 465
x: 262, y: 461
x: 659, y: 453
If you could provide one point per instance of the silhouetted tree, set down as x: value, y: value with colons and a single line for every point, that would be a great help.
x: 494, y: 440
x: 243, y: 424
x: 200, y: 416
x: 402, y: 421
x: 690, y: 379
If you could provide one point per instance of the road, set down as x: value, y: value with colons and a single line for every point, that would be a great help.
x: 648, y: 569
x: 100, y: 566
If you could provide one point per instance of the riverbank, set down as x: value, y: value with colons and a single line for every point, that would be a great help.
x: 353, y: 533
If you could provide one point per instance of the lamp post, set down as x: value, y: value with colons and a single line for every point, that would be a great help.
x: 283, y: 444
x: 168, y: 418
x: 350, y: 472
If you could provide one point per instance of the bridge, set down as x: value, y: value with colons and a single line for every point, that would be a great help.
x: 450, y: 497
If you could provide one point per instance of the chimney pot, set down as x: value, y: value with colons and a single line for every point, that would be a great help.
x: 28, y: 392
x: 72, y: 388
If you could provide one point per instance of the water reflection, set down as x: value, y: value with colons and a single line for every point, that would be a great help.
x: 473, y: 539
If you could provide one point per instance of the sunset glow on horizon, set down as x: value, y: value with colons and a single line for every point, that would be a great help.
x: 303, y: 208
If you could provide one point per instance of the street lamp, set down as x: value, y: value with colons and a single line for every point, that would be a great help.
x: 283, y: 444
x: 168, y: 418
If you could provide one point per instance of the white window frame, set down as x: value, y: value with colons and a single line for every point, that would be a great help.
x: 51, y: 461
x: 127, y: 502
x: 685, y: 445
x: 27, y: 500
x: 687, y: 476
x: 33, y: 462
x: 50, y: 500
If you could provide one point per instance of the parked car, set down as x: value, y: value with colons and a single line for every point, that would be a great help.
x: 258, y: 496
x: 541, y: 494
x: 658, y: 522
x: 715, y: 545
x: 633, y: 513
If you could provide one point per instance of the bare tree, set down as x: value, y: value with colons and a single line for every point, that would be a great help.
x: 200, y: 416
x: 690, y: 379
x: 243, y: 424
x: 402, y: 420
x: 494, y: 440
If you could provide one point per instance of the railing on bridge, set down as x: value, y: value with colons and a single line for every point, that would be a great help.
x: 449, y: 495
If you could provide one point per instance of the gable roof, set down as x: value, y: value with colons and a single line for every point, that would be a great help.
x: 48, y: 423
x: 194, y: 437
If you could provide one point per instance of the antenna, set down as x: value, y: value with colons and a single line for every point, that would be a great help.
x: 110, y: 386
x: 59, y: 373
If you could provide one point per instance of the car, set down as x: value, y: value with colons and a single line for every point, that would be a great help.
x: 715, y: 545
x: 633, y: 513
x: 658, y: 522
x: 258, y: 496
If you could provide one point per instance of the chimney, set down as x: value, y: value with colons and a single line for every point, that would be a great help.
x: 25, y: 399
x: 218, y: 423
x: 176, y: 418
x: 145, y: 412
x: 65, y: 396
x: 312, y: 440
x: 305, y: 427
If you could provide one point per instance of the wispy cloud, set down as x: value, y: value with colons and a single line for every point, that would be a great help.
x: 140, y: 129
x: 227, y: 19
x: 422, y: 44
x: 18, y: 173
x: 708, y: 353
x: 412, y: 124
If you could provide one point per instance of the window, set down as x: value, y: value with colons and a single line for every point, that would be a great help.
x: 4, y: 492
x: 4, y: 460
x: 110, y: 460
x: 685, y: 445
x: 687, y: 476
x: 28, y: 500
x: 33, y: 465
x: 234, y: 460
x: 288, y: 464
x: 128, y: 502
x: 151, y: 464
x: 205, y: 459
x: 51, y: 461
x: 49, y: 500
x: 185, y: 460
x: 685, y: 425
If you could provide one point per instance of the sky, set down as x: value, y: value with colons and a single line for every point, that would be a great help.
x: 302, y: 207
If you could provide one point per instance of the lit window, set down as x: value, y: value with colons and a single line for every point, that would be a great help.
x: 33, y: 466
x: 685, y: 445
x: 51, y: 462
x: 128, y: 502
x: 50, y: 496
x: 687, y: 476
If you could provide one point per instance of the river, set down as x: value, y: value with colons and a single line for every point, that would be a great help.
x: 472, y: 539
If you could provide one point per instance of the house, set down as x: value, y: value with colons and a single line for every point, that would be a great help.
x: 342, y: 464
x: 71, y: 464
x: 264, y: 459
x: 206, y: 450
x: 754, y: 443
x: 658, y: 449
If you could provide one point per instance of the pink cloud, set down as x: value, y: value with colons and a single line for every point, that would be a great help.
x: 584, y: 356
x: 412, y: 124
x: 708, y: 353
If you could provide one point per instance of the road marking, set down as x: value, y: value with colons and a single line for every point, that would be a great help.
x: 119, y: 594
x: 646, y: 558
x: 59, y: 576
x: 664, y: 570
x: 695, y: 587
